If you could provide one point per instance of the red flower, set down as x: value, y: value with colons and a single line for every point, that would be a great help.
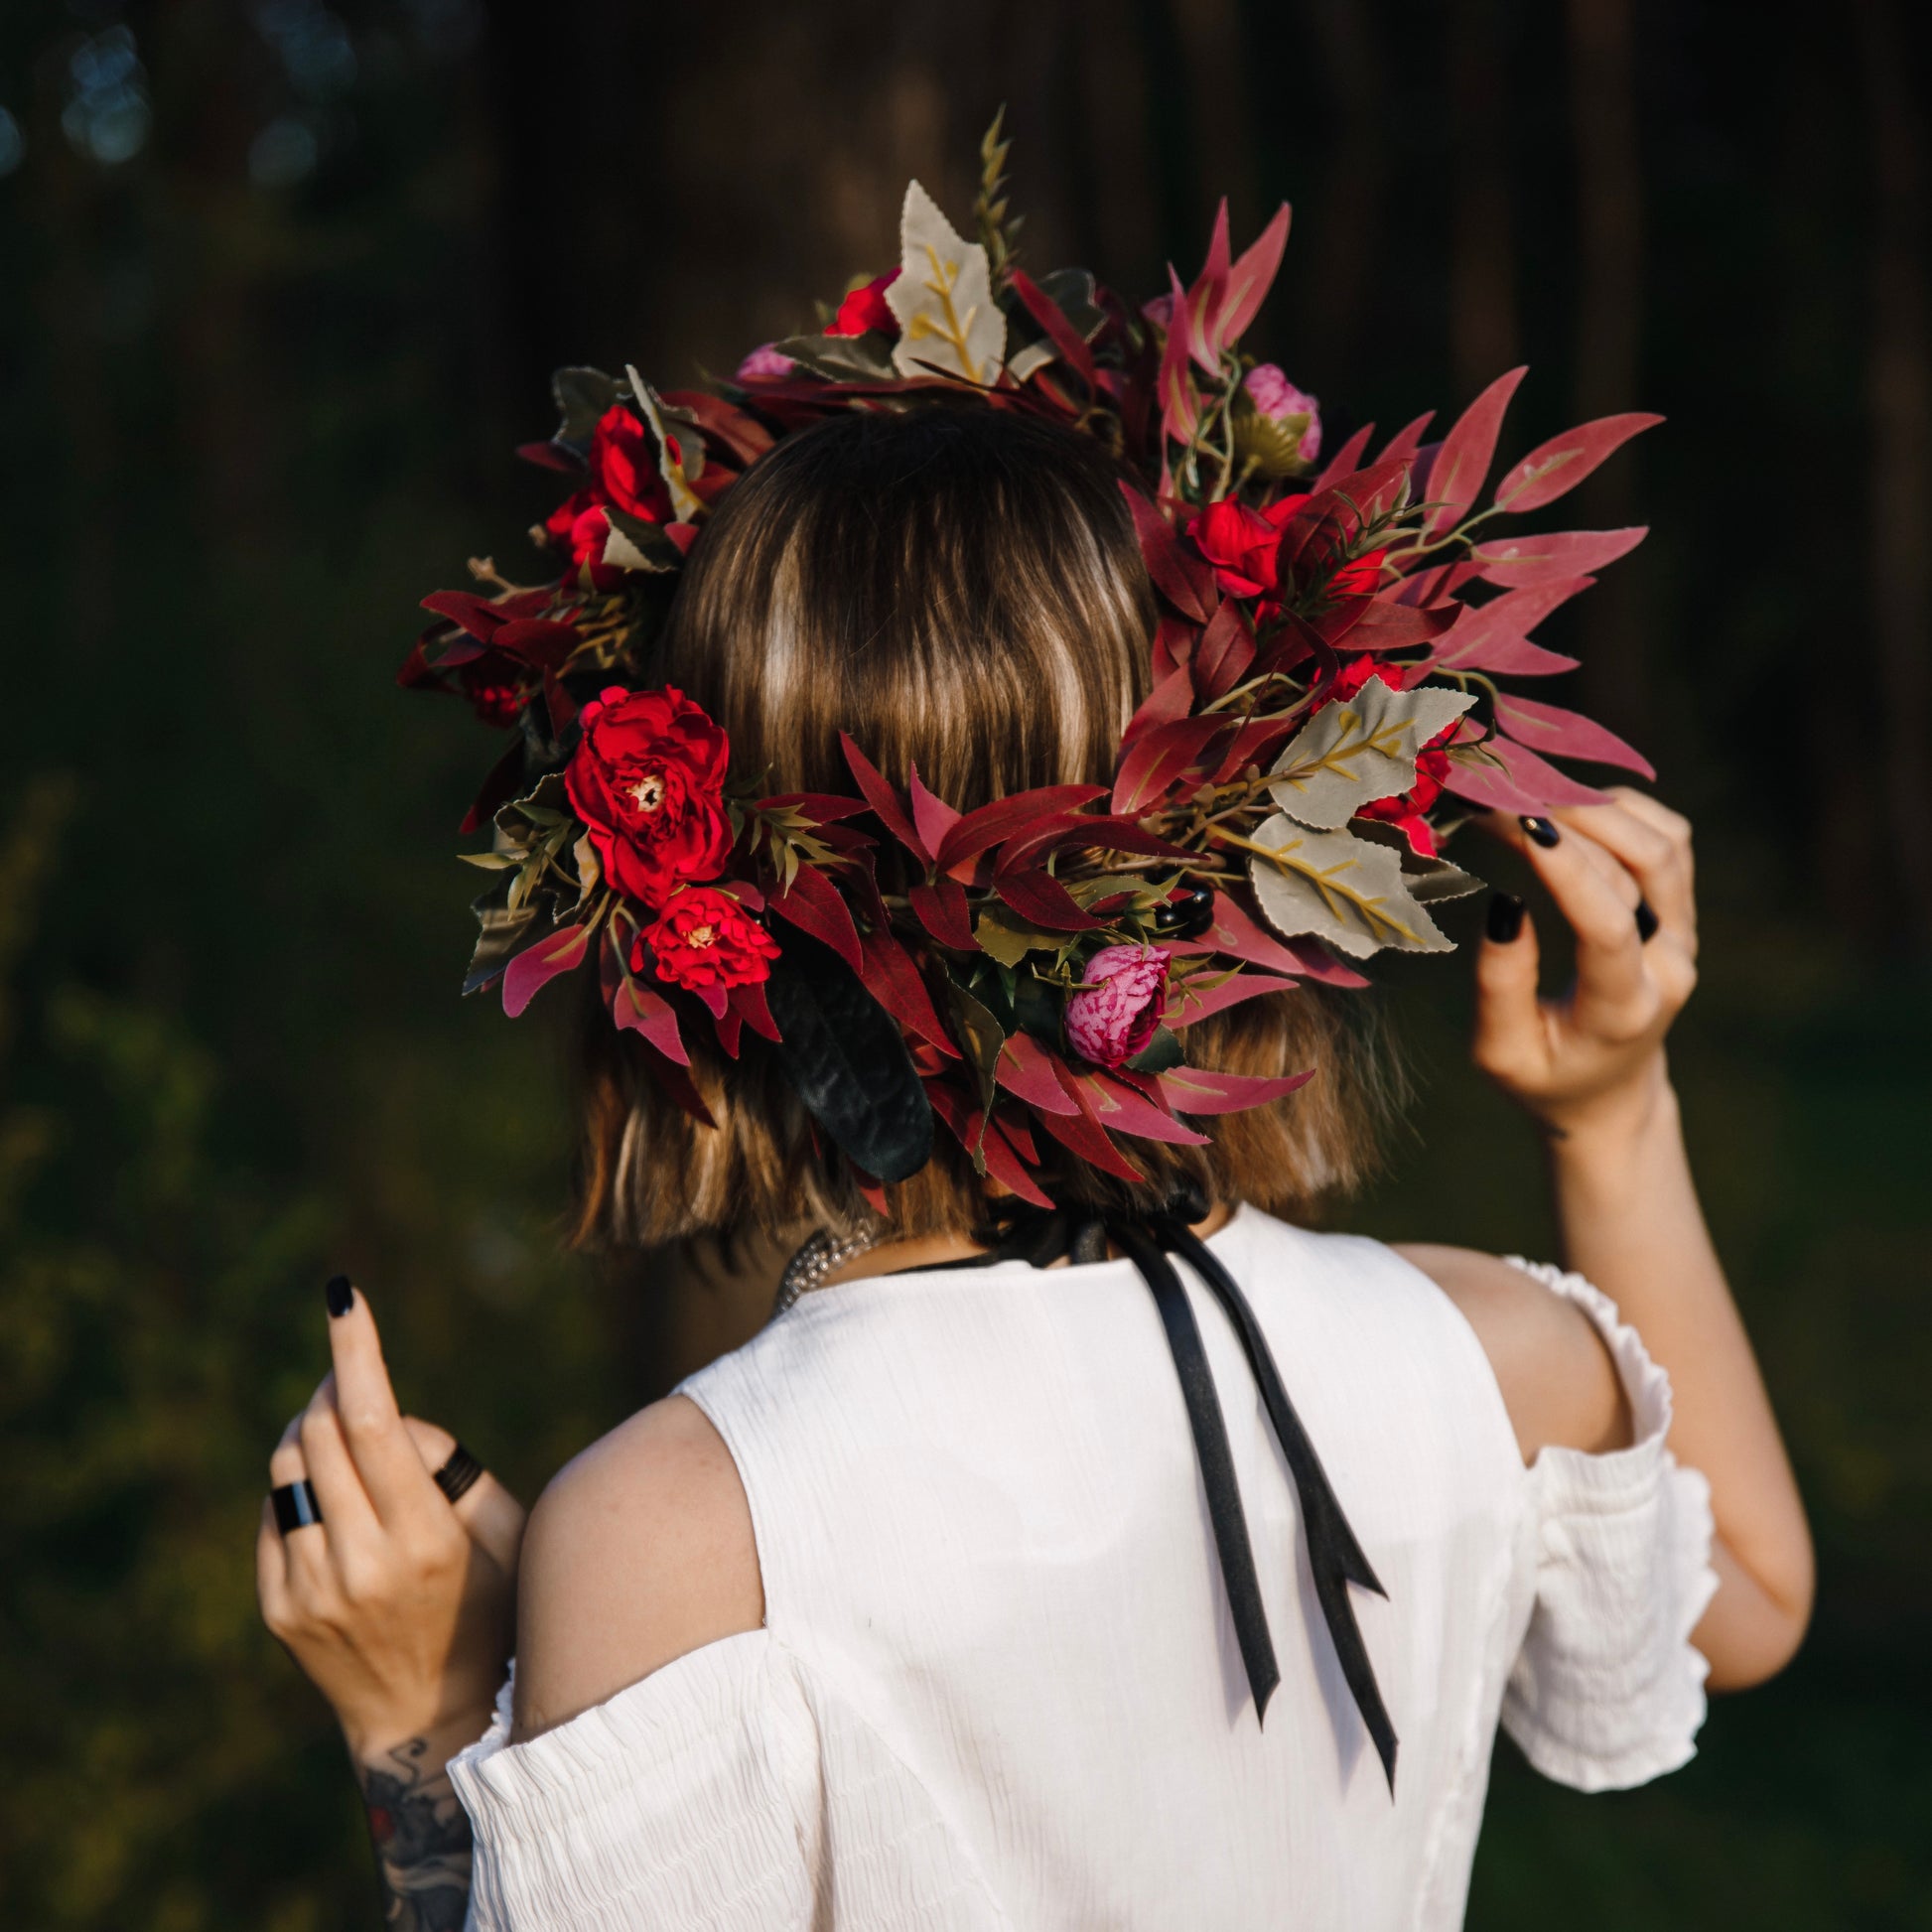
x: 1244, y: 546
x: 866, y: 308
x: 648, y: 779
x: 1405, y: 811
x: 705, y: 938
x: 622, y: 476
x: 1114, y: 1010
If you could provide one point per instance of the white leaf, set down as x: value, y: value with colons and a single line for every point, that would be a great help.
x: 943, y: 299
x: 1356, y: 750
x: 1341, y: 888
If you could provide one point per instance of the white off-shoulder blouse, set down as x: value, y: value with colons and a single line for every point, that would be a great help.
x: 998, y: 1684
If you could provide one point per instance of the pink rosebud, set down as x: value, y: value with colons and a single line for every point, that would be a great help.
x: 1275, y: 397
x: 1111, y: 1015
x: 1158, y: 311
x: 763, y: 361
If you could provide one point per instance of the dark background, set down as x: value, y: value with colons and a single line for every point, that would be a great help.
x: 280, y: 288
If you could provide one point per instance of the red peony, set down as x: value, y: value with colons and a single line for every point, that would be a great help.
x: 705, y: 938
x: 647, y: 780
x: 622, y: 476
x: 866, y: 308
x: 1115, y: 1009
x: 1406, y: 808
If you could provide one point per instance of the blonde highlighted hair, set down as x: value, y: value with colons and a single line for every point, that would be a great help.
x: 961, y: 590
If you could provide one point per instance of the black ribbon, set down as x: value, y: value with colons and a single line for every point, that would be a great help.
x: 1336, y: 1557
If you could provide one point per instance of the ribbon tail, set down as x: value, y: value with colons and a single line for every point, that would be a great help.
x: 1216, y: 1460
x: 1336, y: 1555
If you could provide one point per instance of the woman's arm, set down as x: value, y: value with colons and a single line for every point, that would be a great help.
x: 1590, y: 1068
x: 398, y: 1607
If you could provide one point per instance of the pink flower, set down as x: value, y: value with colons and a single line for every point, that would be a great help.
x: 1275, y: 396
x: 1111, y: 1015
x: 1158, y: 311
x: 763, y: 361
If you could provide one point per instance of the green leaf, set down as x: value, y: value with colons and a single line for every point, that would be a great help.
x: 981, y: 1035
x: 842, y: 358
x: 1007, y: 937
x: 489, y: 861
x: 1161, y: 1052
x: 1356, y: 750
x: 582, y: 396
x: 635, y: 543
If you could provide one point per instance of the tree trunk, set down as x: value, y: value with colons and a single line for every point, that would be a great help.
x: 1900, y: 394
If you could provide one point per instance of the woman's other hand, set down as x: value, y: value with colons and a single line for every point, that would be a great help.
x: 1621, y: 874
x: 398, y: 1605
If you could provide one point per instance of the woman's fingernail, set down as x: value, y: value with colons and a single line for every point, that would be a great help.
x: 1505, y: 919
x: 338, y: 1294
x: 1646, y: 922
x: 1541, y: 831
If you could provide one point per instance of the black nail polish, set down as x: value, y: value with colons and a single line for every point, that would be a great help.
x: 1505, y: 918
x: 1646, y: 922
x: 338, y: 1294
x: 1541, y: 831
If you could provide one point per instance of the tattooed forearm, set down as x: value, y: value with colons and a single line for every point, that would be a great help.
x: 422, y: 1840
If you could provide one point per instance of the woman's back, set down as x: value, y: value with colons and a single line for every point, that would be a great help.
x: 999, y: 1681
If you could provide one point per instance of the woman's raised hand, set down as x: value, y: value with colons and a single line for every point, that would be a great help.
x: 1621, y: 874
x: 399, y: 1605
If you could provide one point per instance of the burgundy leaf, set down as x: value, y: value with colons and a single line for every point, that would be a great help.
x: 1560, y: 464
x: 1188, y: 582
x: 1224, y: 653
x: 1008, y: 1164
x: 1555, y: 556
x: 1198, y: 1090
x: 1172, y: 697
x: 1515, y: 614
x: 1180, y: 406
x: 883, y: 800
x: 1040, y: 899
x: 536, y: 965
x: 1116, y: 1106
x: 1006, y: 817
x: 1249, y: 280
x: 1253, y: 743
x: 815, y: 906
x: 637, y: 1009
x: 1484, y: 783
x: 1236, y: 932
x: 821, y: 807
x: 1404, y: 443
x: 1026, y: 1068
x: 1094, y: 831
x: 1543, y: 782
x: 750, y: 1003
x: 1317, y: 962
x: 1173, y: 646
x: 1079, y: 1133
x: 504, y: 781
x: 542, y: 641
x: 1347, y: 459
x: 1468, y: 452
x: 728, y: 1022
x: 676, y: 1081
x: 1381, y: 623
x: 1339, y: 513
x: 744, y: 435
x: 1158, y: 757
x: 1072, y: 345
x: 892, y: 980
x: 942, y: 910
x: 1187, y: 1005
x: 1547, y: 728
x: 932, y: 816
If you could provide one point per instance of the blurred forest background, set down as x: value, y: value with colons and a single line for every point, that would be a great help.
x: 280, y: 287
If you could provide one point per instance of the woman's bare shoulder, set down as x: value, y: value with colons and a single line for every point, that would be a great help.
x: 1558, y: 1382
x: 639, y: 1551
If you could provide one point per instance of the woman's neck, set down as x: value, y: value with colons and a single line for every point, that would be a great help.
x: 932, y: 1250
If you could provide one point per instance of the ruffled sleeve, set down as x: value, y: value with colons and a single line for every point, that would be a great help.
x: 690, y: 1799
x: 1607, y: 1691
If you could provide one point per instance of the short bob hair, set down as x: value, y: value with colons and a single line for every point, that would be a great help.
x: 959, y: 588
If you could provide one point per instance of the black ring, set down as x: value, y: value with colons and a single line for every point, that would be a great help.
x: 456, y: 1476
x: 295, y: 1506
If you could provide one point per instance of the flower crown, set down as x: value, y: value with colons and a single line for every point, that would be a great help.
x: 1327, y: 705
